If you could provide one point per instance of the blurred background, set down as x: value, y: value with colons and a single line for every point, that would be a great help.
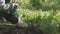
x: 46, y: 13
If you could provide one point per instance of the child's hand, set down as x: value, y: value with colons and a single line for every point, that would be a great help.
x: 17, y: 6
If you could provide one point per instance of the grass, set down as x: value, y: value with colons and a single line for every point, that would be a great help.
x: 48, y: 20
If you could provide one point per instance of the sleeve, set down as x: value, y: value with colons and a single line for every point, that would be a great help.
x: 7, y: 6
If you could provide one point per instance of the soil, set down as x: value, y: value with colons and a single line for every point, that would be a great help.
x: 31, y: 29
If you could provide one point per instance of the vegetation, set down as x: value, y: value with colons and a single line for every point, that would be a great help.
x: 46, y: 13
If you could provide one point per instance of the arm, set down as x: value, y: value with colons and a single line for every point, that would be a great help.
x: 9, y: 6
x: 15, y: 5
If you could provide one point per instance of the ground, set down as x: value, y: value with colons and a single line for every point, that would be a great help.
x: 8, y: 28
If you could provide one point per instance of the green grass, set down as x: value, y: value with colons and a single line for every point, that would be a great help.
x: 48, y: 20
